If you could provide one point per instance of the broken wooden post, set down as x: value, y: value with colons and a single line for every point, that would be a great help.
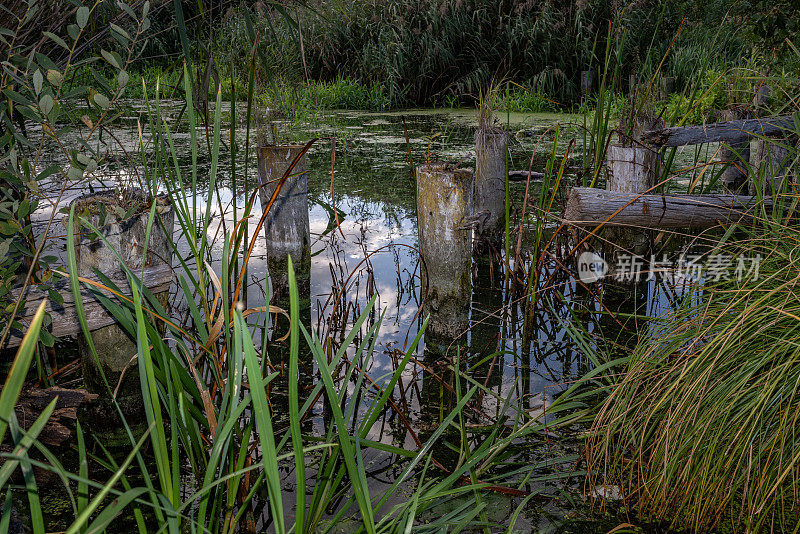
x: 444, y: 221
x: 668, y: 85
x: 589, y: 207
x: 587, y: 83
x: 490, y: 188
x: 286, y: 226
x: 631, y: 84
x: 631, y: 169
x: 125, y: 235
x: 772, y: 158
x: 735, y: 155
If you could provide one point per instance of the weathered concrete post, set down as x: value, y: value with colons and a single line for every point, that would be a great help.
x: 444, y: 209
x: 587, y: 83
x: 490, y: 188
x: 286, y: 226
x: 736, y: 156
x: 116, y: 348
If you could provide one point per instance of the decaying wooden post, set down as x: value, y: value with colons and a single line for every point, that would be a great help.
x: 116, y: 348
x: 631, y: 84
x: 631, y: 169
x: 490, y: 188
x: 736, y: 155
x: 444, y: 213
x: 286, y: 225
x: 587, y: 83
x: 668, y: 85
x: 772, y: 158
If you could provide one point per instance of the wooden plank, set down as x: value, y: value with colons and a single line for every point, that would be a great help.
x: 727, y: 132
x: 587, y: 206
x: 65, y: 318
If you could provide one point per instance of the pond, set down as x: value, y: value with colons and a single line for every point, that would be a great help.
x: 364, y: 243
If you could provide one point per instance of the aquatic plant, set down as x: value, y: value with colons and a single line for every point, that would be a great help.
x: 701, y: 430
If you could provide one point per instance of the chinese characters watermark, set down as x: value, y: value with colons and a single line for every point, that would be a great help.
x: 689, y: 267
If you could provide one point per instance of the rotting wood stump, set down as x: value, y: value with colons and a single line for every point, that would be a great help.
x: 631, y: 169
x: 490, y: 188
x: 444, y: 213
x: 119, y: 231
x: 286, y: 226
x: 587, y: 206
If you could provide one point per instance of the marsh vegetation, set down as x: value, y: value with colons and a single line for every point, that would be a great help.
x: 177, y: 357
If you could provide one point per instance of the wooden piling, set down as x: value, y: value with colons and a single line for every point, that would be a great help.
x: 286, y: 226
x: 736, y: 156
x: 587, y: 83
x: 772, y: 158
x: 631, y: 84
x: 668, y: 85
x: 490, y: 188
x: 115, y: 346
x: 444, y: 220
x: 631, y: 169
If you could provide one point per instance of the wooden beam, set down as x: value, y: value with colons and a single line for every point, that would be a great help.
x: 65, y: 317
x: 727, y: 132
x: 587, y: 206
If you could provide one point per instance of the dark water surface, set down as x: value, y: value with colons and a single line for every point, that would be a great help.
x: 374, y: 251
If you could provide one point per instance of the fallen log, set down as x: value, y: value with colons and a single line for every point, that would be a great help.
x: 588, y: 206
x: 727, y: 132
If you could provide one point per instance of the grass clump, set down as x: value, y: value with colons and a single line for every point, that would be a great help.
x: 702, y: 429
x: 340, y: 93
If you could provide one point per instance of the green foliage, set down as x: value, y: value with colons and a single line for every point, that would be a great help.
x: 200, y: 428
x: 41, y: 104
x: 701, y: 429
x: 339, y: 93
x: 699, y: 105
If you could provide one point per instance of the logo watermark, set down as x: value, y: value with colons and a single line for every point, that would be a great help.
x: 689, y: 267
x: 591, y: 267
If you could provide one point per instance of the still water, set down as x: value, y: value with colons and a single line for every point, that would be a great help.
x: 373, y: 250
